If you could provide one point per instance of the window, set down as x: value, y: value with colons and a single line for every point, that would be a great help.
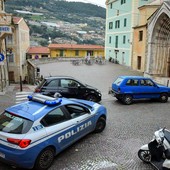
x: 145, y: 82
x: 54, y: 117
x: 139, y: 62
x: 117, y: 12
x: 123, y: 2
x: 111, y: 6
x: 116, y: 42
x: 132, y: 82
x: 89, y: 53
x: 124, y: 39
x: 10, y: 58
x: 118, y: 81
x: 117, y: 24
x: 125, y: 22
x: 12, y: 123
x: 44, y: 56
x: 64, y: 83
x: 110, y: 25
x: 61, y: 53
x: 77, y: 53
x: 52, y: 83
x: 110, y: 40
x: 68, y: 83
x: 28, y: 56
x: 76, y: 111
x: 140, y: 35
x: 9, y: 40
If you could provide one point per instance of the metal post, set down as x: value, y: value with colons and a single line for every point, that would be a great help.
x: 20, y: 83
x: 7, y: 61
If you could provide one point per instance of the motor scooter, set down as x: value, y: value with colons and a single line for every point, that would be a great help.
x: 157, y: 151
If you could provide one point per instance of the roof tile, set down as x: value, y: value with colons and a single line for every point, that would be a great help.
x: 38, y: 50
x: 75, y: 46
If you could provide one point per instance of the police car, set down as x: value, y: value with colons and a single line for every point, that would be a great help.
x: 33, y: 132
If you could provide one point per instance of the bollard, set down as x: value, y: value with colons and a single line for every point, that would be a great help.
x: 20, y: 83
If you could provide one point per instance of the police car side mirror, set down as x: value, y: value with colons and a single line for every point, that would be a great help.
x: 88, y: 111
x: 57, y: 95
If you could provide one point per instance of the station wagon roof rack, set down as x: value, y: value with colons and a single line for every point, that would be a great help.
x: 50, y: 101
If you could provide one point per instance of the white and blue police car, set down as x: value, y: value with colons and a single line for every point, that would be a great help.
x: 33, y: 132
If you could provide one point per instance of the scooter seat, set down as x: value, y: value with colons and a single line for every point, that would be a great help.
x: 167, y: 135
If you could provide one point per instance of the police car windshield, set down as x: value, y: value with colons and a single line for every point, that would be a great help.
x: 11, y: 123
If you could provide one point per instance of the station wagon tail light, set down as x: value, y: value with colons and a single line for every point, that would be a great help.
x: 119, y: 90
x: 23, y: 143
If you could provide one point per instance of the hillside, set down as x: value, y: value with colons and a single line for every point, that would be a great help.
x: 76, y: 22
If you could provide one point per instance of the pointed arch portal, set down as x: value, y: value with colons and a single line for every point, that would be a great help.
x: 158, y: 54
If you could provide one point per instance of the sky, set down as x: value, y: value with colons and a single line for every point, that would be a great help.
x: 96, y: 2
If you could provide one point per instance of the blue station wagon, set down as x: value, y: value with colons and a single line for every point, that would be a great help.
x: 128, y: 88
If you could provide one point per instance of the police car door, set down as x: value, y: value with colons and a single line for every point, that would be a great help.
x: 59, y: 129
x: 83, y: 120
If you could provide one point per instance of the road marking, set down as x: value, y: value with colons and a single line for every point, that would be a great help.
x: 22, y: 96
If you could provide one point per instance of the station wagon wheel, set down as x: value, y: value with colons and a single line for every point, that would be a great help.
x: 100, y: 125
x: 91, y: 97
x: 45, y: 159
x: 163, y: 97
x: 128, y: 99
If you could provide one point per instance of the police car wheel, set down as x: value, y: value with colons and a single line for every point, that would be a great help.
x: 100, y: 125
x: 45, y: 159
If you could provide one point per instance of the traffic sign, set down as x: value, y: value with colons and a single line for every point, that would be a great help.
x: 2, y: 57
x: 6, y: 29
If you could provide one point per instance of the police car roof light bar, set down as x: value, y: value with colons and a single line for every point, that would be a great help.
x: 44, y: 99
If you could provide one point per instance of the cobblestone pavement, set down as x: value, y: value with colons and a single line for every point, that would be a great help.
x: 128, y: 127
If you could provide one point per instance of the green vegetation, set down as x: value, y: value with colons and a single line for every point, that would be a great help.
x: 53, y: 10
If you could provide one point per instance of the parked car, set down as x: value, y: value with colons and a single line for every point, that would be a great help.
x: 68, y: 87
x: 129, y: 88
x: 33, y: 132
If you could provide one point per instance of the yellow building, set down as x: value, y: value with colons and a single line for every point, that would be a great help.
x: 140, y: 36
x: 75, y: 50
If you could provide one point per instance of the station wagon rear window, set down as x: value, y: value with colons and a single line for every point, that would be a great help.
x: 118, y: 81
x: 11, y: 123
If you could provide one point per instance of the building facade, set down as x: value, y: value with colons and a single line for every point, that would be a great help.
x: 158, y: 44
x: 5, y: 30
x: 14, y: 42
x: 38, y: 52
x: 139, y: 49
x: 17, y: 45
x: 121, y: 17
x: 75, y: 50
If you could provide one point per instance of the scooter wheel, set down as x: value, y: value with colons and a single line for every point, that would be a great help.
x: 144, y: 155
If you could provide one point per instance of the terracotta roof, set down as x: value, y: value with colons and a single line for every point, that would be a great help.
x: 38, y: 50
x: 16, y: 19
x: 75, y: 46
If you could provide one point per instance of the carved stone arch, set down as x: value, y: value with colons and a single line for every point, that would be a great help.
x: 158, y: 59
